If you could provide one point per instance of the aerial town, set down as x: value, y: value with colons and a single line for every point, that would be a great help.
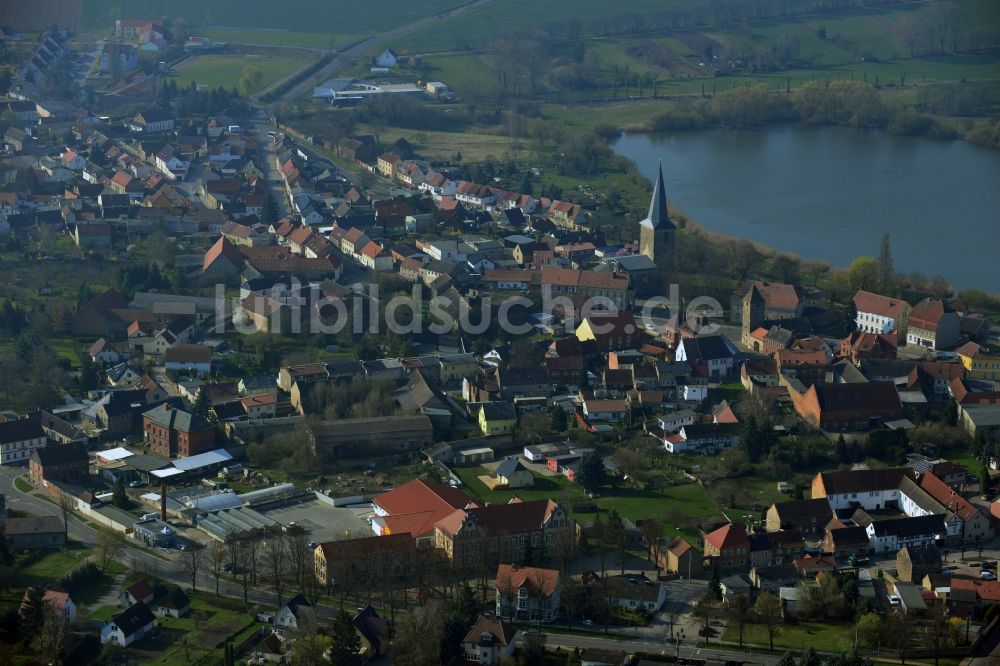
x: 273, y: 394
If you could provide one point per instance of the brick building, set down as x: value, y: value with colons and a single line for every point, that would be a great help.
x: 172, y: 432
x: 59, y: 462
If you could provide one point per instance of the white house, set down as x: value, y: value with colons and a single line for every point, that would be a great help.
x: 128, y: 626
x: 877, y: 313
x: 172, y: 166
x: 605, y: 410
x: 103, y: 353
x: 712, y: 355
x: 693, y: 391
x: 676, y: 420
x: 636, y: 593
x: 490, y: 641
x: 61, y: 604
x: 387, y: 58
x: 18, y: 438
x: 286, y: 622
x: 889, y: 536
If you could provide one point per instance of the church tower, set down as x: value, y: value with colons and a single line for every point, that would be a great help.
x: 656, y: 232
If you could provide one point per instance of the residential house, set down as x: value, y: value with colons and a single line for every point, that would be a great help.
x: 127, y: 55
x: 980, y: 363
x: 631, y: 592
x: 387, y: 58
x: 809, y: 516
x: 122, y: 374
x: 709, y: 356
x: 35, y: 532
x: 286, y: 621
x: 128, y: 626
x: 612, y: 332
x: 171, y: 432
x: 680, y: 557
x: 139, y: 592
x: 152, y: 121
x: 914, y: 563
x: 59, y: 462
x: 869, y: 489
x: 174, y: 604
x: 510, y: 473
x: 847, y: 542
x: 570, y: 290
x: 191, y: 357
x: 605, y: 410
x: 781, y: 301
x: 59, y: 601
x: 772, y: 548
x: 728, y: 548
x: 976, y: 526
x: 932, y: 324
x: 703, y: 438
x: 879, y: 314
x: 888, y: 536
x: 490, y: 641
x: 19, y: 438
x: 527, y: 593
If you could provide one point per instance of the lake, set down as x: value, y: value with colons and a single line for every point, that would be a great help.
x: 830, y: 193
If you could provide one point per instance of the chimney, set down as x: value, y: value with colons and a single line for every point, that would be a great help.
x: 163, y: 502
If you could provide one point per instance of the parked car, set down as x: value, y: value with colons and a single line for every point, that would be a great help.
x: 894, y: 600
x: 707, y: 632
x: 587, y: 623
x: 987, y: 575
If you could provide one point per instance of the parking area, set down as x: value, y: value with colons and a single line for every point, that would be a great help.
x: 325, y: 522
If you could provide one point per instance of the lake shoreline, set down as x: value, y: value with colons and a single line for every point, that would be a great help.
x: 893, y: 193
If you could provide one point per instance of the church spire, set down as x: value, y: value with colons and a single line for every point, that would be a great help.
x: 658, y: 217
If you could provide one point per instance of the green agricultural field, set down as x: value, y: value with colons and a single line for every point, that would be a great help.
x: 304, y: 15
x: 465, y: 72
x: 225, y: 70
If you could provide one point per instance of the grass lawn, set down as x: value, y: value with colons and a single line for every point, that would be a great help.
x: 823, y: 637
x: 225, y: 70
x: 22, y: 485
x: 50, y: 567
x: 546, y: 487
x: 104, y: 613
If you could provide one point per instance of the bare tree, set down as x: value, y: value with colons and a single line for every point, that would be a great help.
x: 110, y: 546
x: 218, y: 561
x: 309, y: 644
x: 66, y: 508
x: 276, y: 560
x: 740, y: 608
x: 192, y: 561
x: 245, y: 547
x: 52, y: 639
x: 418, y: 640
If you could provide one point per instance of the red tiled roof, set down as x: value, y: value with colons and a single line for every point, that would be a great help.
x: 866, y: 301
x: 728, y: 536
x: 511, y: 577
x: 943, y: 493
x: 222, y: 248
x: 426, y: 502
x: 927, y: 313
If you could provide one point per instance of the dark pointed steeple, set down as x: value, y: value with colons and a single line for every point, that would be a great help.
x: 658, y: 217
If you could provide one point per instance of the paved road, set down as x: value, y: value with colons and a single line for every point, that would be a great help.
x: 271, y: 176
x: 685, y: 651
